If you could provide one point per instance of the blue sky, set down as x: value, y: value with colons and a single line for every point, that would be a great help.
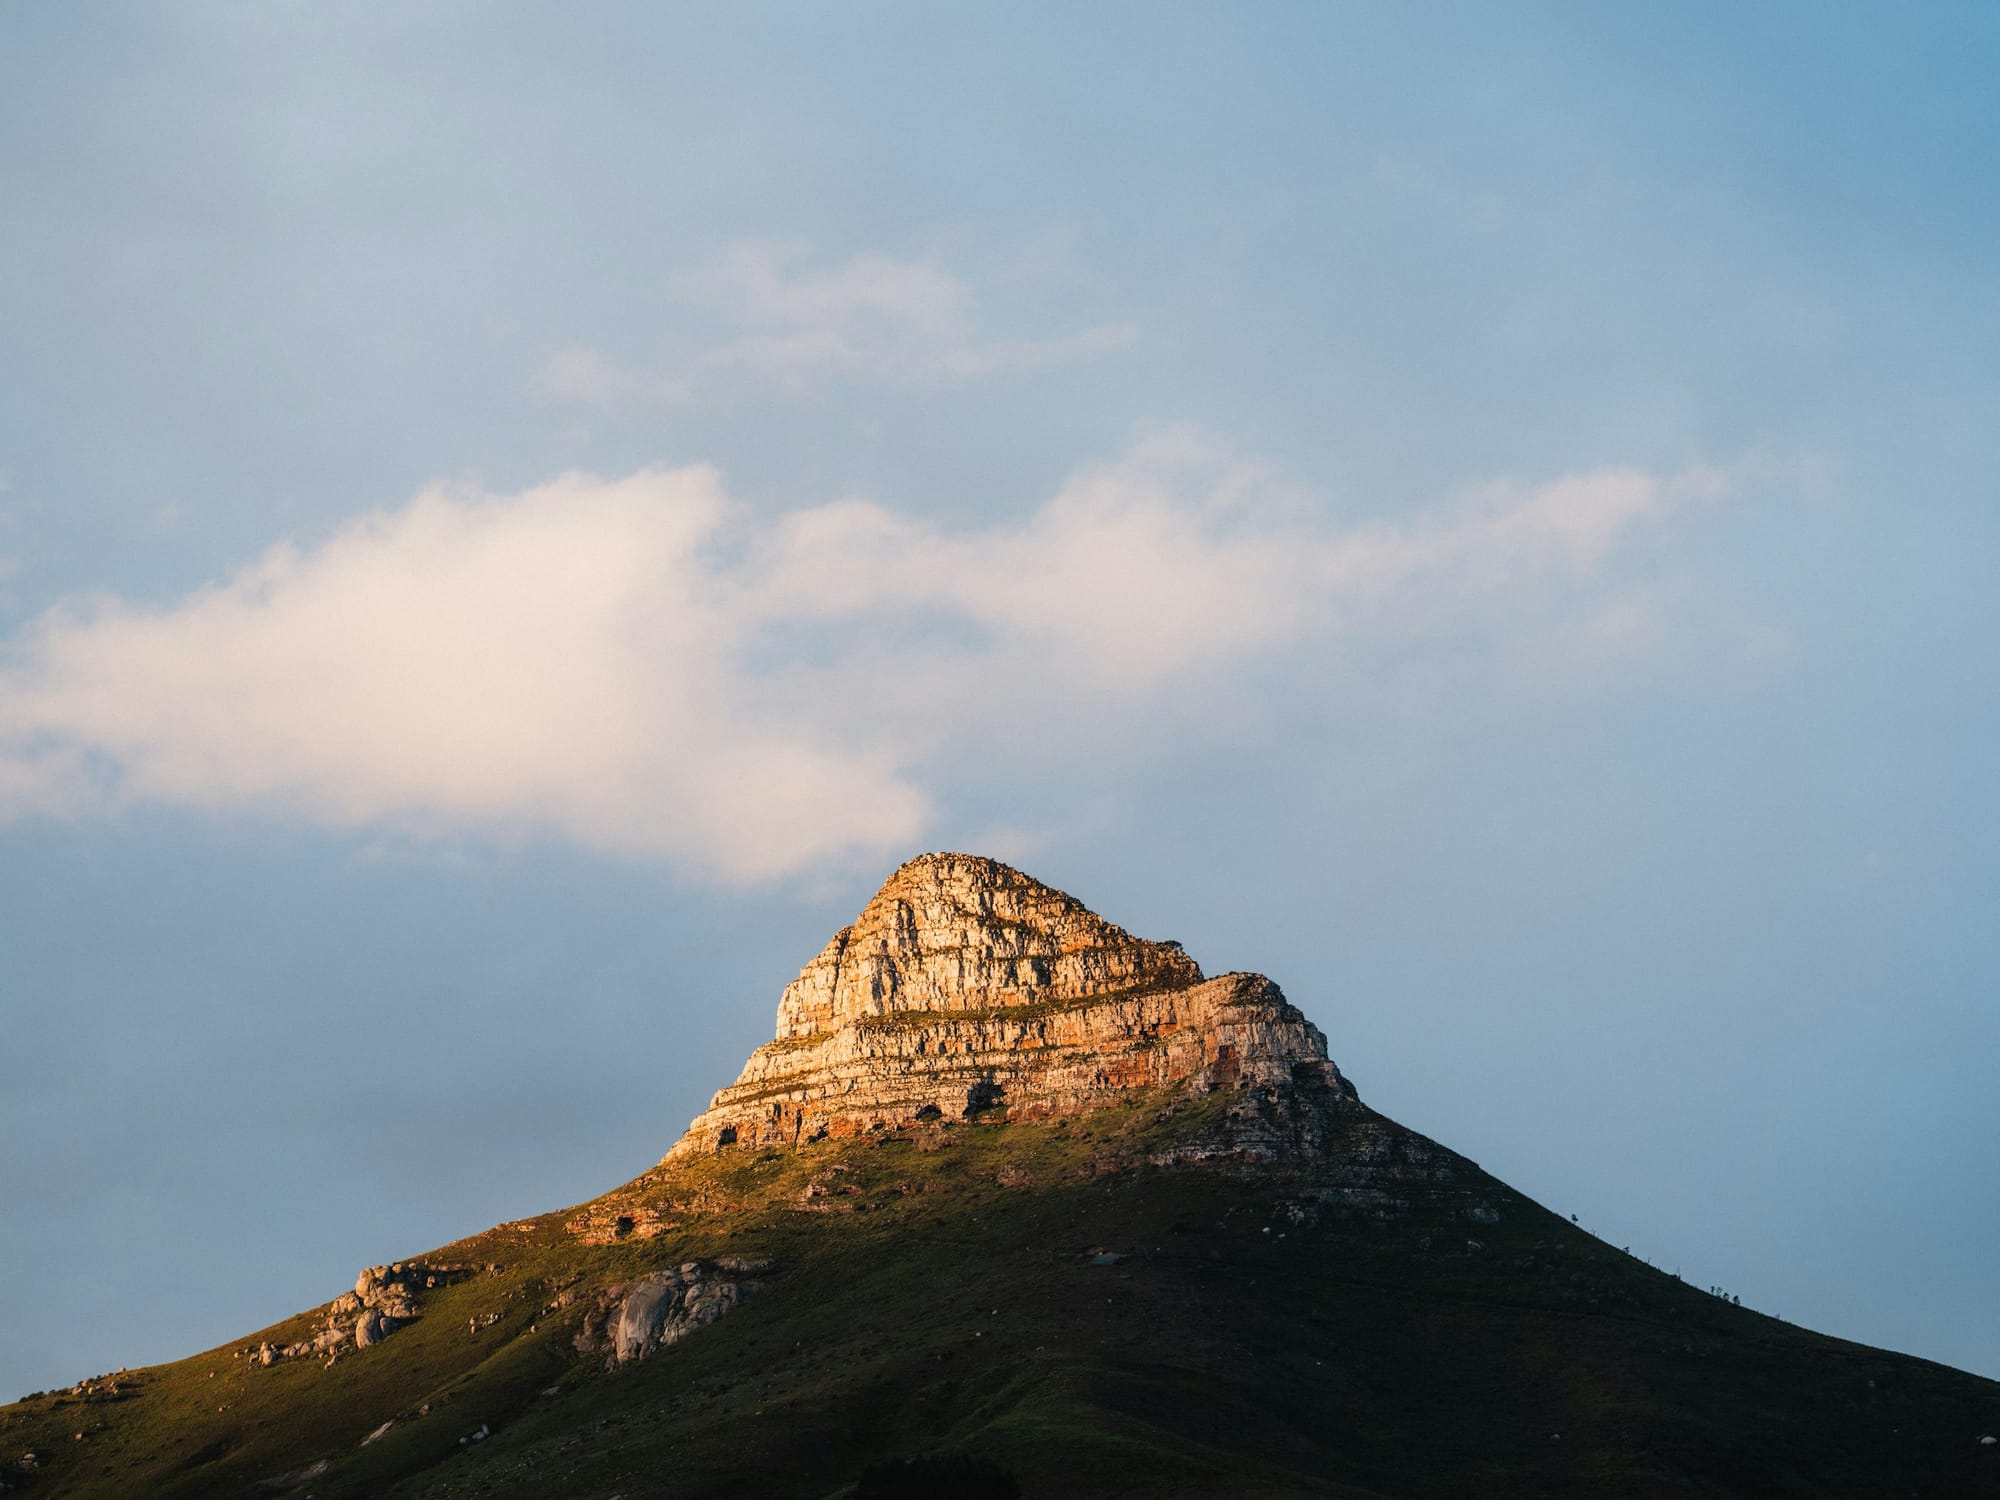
x: 515, y: 519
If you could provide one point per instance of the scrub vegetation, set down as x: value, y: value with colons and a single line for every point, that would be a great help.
x: 1040, y: 1308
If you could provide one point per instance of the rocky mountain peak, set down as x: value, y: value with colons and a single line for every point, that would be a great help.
x: 956, y: 932
x: 966, y: 989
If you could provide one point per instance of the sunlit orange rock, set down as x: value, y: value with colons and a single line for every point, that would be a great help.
x: 965, y: 989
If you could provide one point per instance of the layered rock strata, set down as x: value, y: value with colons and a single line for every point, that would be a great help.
x: 965, y: 989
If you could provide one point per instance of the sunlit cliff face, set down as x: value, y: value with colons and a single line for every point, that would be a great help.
x: 965, y: 987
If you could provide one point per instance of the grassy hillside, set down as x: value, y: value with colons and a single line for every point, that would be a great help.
x: 1386, y: 1321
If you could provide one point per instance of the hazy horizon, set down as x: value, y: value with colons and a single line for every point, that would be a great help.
x: 514, y: 521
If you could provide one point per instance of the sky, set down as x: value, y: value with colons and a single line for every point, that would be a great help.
x: 514, y: 520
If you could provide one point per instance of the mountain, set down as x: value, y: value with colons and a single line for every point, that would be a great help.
x: 965, y: 987
x: 1017, y: 1203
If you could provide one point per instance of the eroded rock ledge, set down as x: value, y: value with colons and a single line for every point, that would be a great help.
x: 966, y: 988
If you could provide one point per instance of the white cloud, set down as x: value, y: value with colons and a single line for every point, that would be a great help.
x: 558, y: 659
x: 771, y: 288
x: 794, y: 324
x: 585, y: 377
x: 640, y: 666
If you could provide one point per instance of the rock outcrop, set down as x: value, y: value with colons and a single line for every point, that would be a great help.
x: 965, y: 989
x: 384, y: 1299
x: 636, y: 1318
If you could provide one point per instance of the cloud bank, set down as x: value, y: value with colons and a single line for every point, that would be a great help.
x: 645, y: 667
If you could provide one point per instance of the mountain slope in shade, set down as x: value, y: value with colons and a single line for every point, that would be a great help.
x: 1016, y: 1202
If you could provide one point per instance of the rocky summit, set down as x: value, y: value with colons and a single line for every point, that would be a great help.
x: 1016, y: 1204
x: 966, y: 987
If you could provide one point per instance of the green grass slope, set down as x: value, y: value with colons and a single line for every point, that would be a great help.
x: 1383, y: 1321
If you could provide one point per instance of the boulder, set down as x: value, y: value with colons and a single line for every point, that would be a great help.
x: 636, y: 1318
x: 643, y: 1315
